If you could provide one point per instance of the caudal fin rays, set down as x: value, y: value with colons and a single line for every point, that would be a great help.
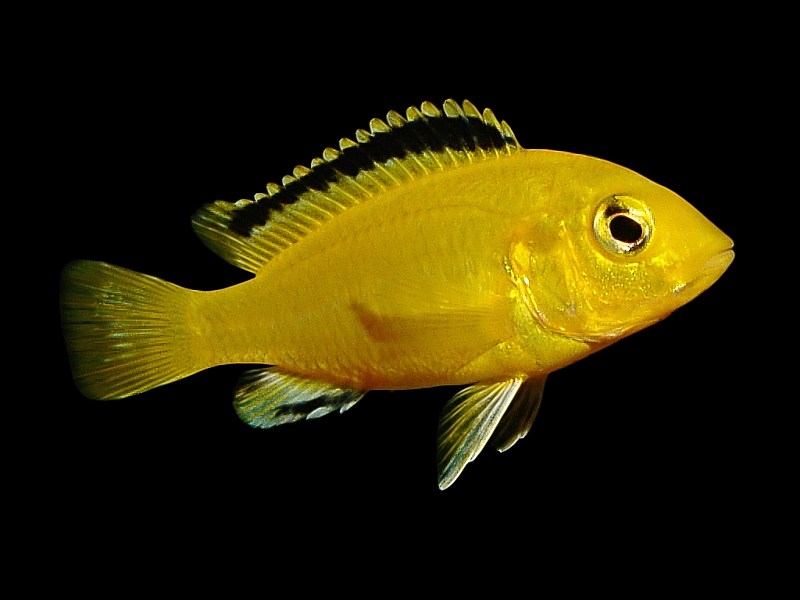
x: 124, y: 331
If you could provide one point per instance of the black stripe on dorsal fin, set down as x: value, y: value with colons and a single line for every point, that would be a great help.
x: 248, y: 233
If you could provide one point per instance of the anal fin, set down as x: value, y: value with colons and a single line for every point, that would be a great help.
x: 268, y: 397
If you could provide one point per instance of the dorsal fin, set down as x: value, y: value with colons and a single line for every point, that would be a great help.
x: 248, y: 233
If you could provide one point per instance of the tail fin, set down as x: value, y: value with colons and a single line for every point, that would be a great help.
x: 125, y: 332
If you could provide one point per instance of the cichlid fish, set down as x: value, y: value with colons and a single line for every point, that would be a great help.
x: 430, y: 250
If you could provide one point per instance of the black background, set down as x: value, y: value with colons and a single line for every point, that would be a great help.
x: 647, y: 444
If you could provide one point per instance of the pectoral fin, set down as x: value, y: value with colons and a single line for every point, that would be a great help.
x: 437, y: 321
x: 268, y: 397
x: 468, y: 421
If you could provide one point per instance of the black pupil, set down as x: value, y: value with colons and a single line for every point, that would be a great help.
x: 625, y: 229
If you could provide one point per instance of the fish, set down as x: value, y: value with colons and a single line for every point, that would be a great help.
x: 430, y: 249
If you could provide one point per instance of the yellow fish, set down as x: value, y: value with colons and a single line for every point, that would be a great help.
x: 430, y: 250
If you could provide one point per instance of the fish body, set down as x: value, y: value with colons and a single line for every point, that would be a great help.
x: 432, y: 250
x: 425, y: 297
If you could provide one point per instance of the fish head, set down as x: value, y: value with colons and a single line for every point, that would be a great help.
x: 617, y: 252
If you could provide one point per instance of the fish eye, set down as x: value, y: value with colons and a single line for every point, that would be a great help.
x: 623, y: 225
x: 625, y: 229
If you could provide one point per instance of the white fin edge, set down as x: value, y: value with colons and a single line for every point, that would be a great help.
x: 518, y: 419
x: 268, y: 397
x: 468, y: 421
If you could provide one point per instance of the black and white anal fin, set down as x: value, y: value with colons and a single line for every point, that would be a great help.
x: 268, y: 397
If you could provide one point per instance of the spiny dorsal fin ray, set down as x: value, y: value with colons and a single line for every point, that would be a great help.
x: 248, y: 233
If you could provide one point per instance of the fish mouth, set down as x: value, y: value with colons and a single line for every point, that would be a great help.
x: 710, y: 271
x: 718, y: 263
x: 714, y: 267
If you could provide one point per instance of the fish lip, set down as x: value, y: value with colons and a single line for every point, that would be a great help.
x: 719, y: 262
x: 711, y: 270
